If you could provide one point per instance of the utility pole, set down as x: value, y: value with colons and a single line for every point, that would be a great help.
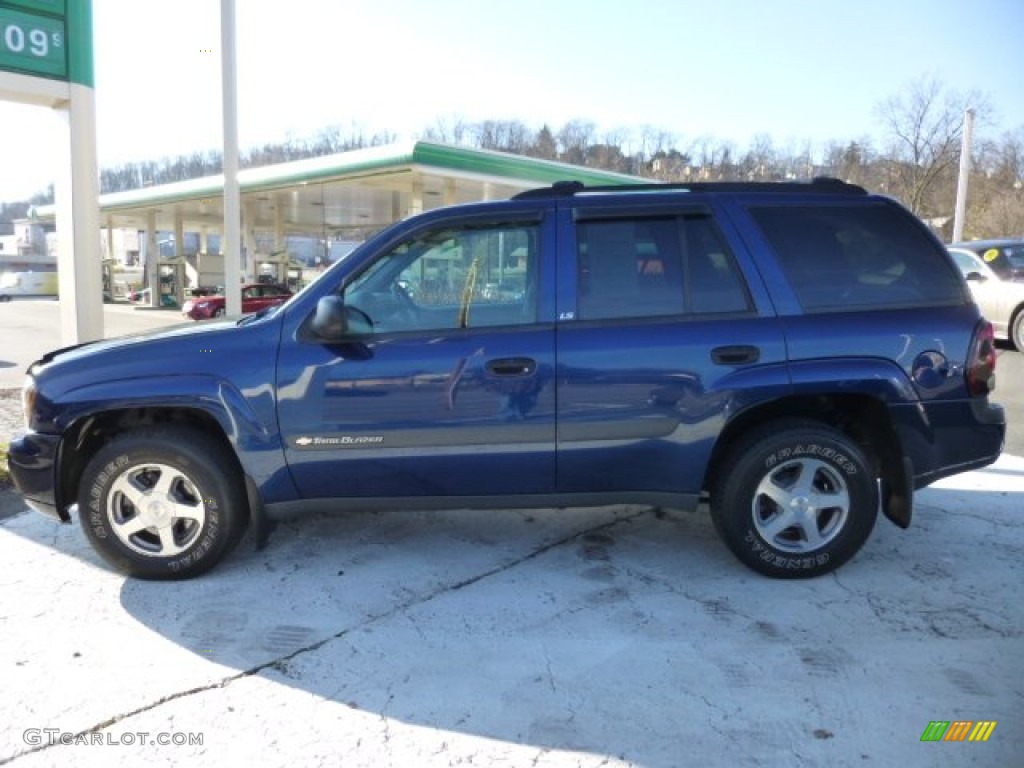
x: 231, y: 244
x: 965, y: 171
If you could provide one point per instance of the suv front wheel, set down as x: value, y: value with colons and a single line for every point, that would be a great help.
x: 165, y: 502
x: 795, y: 500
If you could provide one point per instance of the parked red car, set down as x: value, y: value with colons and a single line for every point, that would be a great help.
x: 254, y: 298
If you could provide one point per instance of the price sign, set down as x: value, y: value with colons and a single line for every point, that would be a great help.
x: 34, y: 43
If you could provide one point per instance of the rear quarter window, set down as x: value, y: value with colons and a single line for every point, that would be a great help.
x: 840, y: 257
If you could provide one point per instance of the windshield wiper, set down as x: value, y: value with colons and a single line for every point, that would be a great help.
x: 467, y: 293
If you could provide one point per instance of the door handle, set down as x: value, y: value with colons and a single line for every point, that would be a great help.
x: 511, y: 366
x: 736, y: 354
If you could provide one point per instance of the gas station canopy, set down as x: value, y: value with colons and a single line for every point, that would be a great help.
x: 361, y: 189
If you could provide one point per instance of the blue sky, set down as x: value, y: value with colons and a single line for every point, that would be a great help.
x: 796, y: 70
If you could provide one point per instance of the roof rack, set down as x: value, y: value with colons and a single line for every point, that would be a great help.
x: 823, y: 184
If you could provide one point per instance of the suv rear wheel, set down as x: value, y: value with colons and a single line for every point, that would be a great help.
x: 795, y: 500
x: 162, y: 503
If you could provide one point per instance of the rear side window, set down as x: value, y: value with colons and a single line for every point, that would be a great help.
x: 655, y: 266
x: 858, y: 257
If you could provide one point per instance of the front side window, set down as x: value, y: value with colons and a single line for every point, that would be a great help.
x: 452, y: 278
x: 658, y: 266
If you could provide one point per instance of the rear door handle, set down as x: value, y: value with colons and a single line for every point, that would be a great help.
x: 512, y: 366
x: 737, y: 354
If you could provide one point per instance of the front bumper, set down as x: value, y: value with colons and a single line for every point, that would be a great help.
x: 32, y: 461
x: 195, y: 312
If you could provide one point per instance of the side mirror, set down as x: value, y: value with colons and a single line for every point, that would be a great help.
x: 330, y: 320
x: 976, y: 277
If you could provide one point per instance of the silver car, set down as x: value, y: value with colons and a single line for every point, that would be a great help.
x: 1001, y: 301
x: 1005, y: 256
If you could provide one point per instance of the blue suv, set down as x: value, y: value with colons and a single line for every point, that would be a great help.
x: 797, y: 355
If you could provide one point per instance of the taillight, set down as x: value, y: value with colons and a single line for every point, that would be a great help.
x: 981, y: 361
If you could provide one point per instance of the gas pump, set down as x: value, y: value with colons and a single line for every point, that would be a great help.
x: 172, y: 282
x: 294, y: 278
x: 108, y: 280
x: 279, y: 268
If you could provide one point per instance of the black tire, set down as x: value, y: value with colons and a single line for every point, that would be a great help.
x: 773, y: 477
x: 218, y: 312
x: 195, y: 502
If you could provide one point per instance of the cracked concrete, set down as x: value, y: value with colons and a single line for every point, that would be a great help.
x: 619, y: 636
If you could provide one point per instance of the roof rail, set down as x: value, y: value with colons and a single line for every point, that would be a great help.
x: 824, y: 184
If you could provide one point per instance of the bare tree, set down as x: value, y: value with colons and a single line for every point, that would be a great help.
x: 448, y: 130
x: 795, y: 159
x: 923, y: 126
x: 573, y: 139
x: 760, y: 163
x: 996, y: 203
x: 853, y: 161
x: 655, y: 142
x: 502, y: 135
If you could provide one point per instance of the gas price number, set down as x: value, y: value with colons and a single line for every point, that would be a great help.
x: 32, y: 44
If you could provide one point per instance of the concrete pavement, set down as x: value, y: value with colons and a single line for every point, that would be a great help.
x: 620, y: 636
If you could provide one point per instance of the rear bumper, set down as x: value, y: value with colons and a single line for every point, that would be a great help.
x: 949, y: 437
x: 32, y: 460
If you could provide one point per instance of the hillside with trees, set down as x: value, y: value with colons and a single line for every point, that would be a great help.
x: 915, y: 159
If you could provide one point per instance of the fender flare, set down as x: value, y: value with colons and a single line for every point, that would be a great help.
x: 250, y: 436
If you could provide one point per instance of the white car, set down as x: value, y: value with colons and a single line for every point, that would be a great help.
x: 29, y: 283
x: 1001, y: 301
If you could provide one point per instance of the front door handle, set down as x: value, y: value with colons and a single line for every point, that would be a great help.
x: 737, y: 354
x: 512, y: 366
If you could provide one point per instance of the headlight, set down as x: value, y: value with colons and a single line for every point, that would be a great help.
x: 28, y: 400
